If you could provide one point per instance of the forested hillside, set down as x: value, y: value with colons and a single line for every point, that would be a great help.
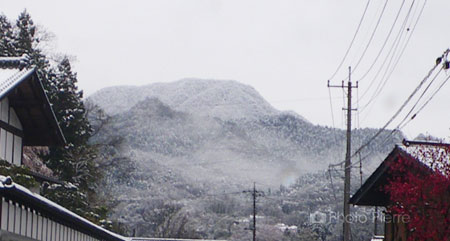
x: 175, y: 167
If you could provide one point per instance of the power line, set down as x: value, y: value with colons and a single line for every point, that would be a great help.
x: 385, y: 42
x: 423, y: 106
x: 331, y: 106
x: 418, y: 99
x: 351, y: 43
x: 398, y: 111
x: 407, y: 42
x: 332, y: 185
x: 221, y: 194
x: 398, y: 129
x: 444, y: 55
x: 383, y: 83
x: 392, y: 50
x: 389, y: 71
x: 371, y: 37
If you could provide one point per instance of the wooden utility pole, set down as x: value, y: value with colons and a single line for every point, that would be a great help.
x: 348, y: 154
x: 254, y: 194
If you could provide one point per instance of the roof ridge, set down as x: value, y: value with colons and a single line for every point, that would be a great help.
x: 428, y: 142
x: 14, y: 62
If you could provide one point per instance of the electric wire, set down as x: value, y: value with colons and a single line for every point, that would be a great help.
x: 332, y: 116
x: 428, y: 101
x: 395, y: 115
x: 221, y: 194
x: 396, y: 61
x: 351, y: 43
x: 382, y: 84
x: 407, y: 42
x: 332, y: 185
x: 395, y: 43
x: 331, y: 107
x: 383, y: 142
x: 392, y: 50
x: 357, y: 107
x: 371, y: 37
x: 385, y: 42
x: 418, y: 99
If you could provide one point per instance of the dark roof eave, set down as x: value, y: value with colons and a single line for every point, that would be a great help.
x: 58, y: 136
x: 369, y: 184
x: 55, y: 124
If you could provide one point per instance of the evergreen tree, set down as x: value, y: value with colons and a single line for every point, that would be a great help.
x: 25, y: 39
x: 6, y: 38
x: 75, y: 162
x: 25, y: 43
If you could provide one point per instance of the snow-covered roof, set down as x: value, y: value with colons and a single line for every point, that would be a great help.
x: 30, y: 102
x: 12, y: 71
x: 435, y: 155
x: 13, y: 190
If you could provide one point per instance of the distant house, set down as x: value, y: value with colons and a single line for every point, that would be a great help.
x: 371, y: 192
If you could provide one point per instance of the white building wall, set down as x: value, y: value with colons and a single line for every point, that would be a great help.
x: 13, y: 119
x: 10, y: 221
x: 47, y: 230
x: 34, y: 226
x: 2, y: 144
x: 10, y: 144
x: 17, y: 157
x: 23, y: 220
x: 4, y: 216
x: 4, y: 113
x: 29, y: 223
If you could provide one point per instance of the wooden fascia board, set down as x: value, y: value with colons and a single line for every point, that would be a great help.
x: 47, y: 108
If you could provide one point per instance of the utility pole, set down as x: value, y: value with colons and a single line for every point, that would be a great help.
x: 348, y: 162
x: 254, y: 194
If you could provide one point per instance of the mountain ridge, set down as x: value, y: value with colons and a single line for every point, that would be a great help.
x: 224, y: 99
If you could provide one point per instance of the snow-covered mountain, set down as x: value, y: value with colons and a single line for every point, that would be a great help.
x: 212, y: 130
x: 183, y: 140
x: 215, y: 98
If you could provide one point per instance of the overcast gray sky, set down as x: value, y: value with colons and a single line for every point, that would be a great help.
x: 285, y: 49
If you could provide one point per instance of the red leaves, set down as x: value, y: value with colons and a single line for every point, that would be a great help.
x: 422, y: 192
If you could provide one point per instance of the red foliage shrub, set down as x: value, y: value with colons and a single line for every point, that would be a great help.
x: 420, y: 189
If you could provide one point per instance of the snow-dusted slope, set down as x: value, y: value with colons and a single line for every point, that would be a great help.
x: 224, y: 99
x: 176, y: 143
